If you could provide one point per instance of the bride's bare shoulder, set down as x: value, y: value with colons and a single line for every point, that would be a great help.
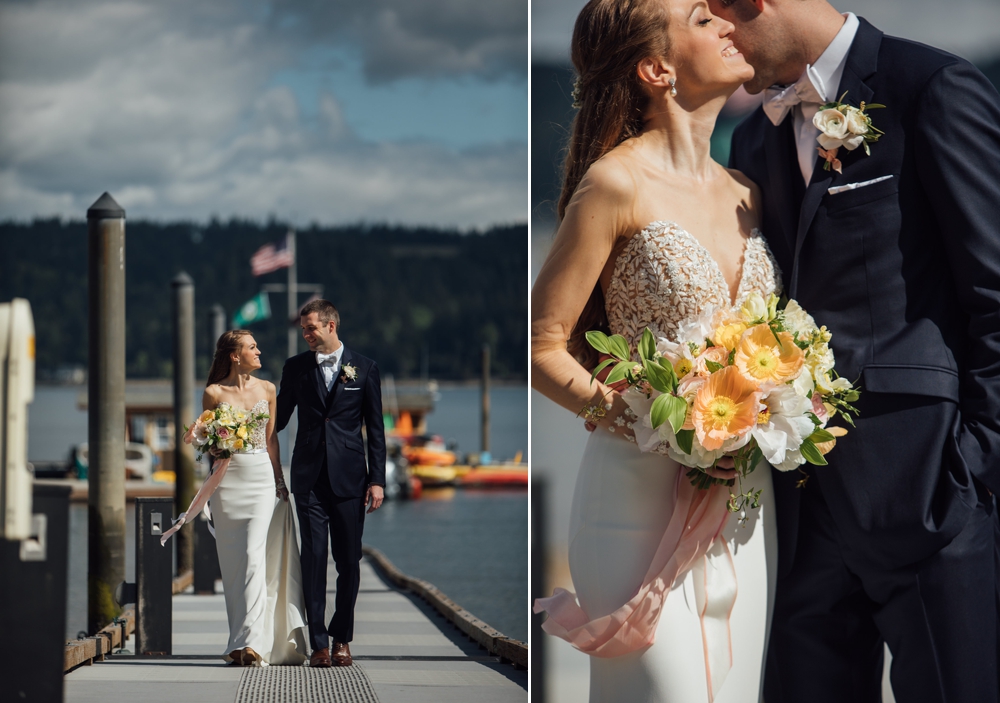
x: 610, y: 178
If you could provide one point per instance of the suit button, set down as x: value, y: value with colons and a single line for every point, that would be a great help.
x: 327, y: 419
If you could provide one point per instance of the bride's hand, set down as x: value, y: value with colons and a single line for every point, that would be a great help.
x: 280, y: 491
x: 724, y: 469
x: 617, y: 419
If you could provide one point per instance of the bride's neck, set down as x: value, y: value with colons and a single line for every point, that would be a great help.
x: 678, y: 137
x: 238, y: 380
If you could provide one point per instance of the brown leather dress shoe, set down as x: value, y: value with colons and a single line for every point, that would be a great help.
x: 321, y: 658
x: 341, y: 654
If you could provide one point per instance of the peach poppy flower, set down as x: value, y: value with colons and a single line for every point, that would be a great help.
x: 725, y: 408
x: 761, y: 358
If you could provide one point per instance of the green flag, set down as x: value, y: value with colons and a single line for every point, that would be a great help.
x: 257, y: 308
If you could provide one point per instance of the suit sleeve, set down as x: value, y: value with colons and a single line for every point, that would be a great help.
x: 957, y: 140
x: 286, y: 398
x: 371, y: 410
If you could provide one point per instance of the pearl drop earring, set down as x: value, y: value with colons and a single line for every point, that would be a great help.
x: 673, y: 89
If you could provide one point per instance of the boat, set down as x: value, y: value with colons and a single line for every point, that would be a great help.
x: 138, y: 461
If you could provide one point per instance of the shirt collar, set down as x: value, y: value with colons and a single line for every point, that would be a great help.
x: 829, y: 67
x: 335, y: 355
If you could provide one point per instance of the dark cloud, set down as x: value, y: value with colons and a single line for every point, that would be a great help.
x: 405, y: 38
x: 170, y: 106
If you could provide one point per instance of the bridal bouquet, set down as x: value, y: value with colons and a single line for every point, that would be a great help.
x: 223, y: 431
x: 755, y: 382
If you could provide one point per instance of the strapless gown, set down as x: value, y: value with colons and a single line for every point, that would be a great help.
x: 259, y: 559
x: 624, y: 498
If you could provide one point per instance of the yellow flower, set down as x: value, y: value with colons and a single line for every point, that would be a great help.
x: 755, y: 307
x: 683, y: 367
x: 242, y: 432
x: 760, y: 357
x: 237, y: 444
x: 728, y: 334
x: 725, y: 408
x: 207, y: 416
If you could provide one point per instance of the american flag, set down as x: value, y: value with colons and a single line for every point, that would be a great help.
x: 271, y: 257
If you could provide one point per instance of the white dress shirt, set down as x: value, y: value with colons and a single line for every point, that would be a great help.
x: 827, y: 71
x: 329, y: 365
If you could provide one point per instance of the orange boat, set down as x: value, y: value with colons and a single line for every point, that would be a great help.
x: 496, y: 475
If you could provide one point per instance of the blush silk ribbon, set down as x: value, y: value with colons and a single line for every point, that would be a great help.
x: 200, y: 499
x: 692, y: 541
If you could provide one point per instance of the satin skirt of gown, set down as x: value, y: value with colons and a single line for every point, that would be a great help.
x: 259, y: 558
x: 621, y: 506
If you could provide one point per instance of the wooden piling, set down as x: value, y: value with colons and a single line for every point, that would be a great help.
x: 106, y: 409
x: 184, y: 411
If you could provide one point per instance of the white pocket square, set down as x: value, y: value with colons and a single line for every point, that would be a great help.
x: 358, y: 388
x: 855, y: 186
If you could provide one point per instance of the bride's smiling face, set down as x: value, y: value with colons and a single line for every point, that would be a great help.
x: 249, y: 356
x: 705, y: 58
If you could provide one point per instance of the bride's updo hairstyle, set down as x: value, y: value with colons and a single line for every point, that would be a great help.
x: 610, y: 38
x: 230, y: 342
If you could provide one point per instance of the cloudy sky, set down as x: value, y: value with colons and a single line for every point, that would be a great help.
x: 403, y: 111
x: 970, y: 28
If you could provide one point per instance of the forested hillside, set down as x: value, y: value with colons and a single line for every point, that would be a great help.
x: 405, y: 295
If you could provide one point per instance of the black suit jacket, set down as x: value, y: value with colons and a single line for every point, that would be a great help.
x: 906, y: 274
x: 330, y: 424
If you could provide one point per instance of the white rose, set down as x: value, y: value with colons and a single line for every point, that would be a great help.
x: 798, y: 321
x: 857, y: 123
x: 853, y: 142
x: 832, y: 125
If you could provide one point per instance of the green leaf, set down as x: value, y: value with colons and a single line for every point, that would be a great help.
x: 658, y: 377
x: 678, y: 413
x: 685, y: 441
x: 599, y: 341
x: 873, y: 106
x: 618, y: 372
x: 812, y: 454
x: 647, y: 345
x: 619, y: 347
x: 713, y: 366
x: 600, y: 367
x: 820, y: 436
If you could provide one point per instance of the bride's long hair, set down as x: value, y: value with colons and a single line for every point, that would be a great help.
x: 609, y: 40
x: 229, y: 342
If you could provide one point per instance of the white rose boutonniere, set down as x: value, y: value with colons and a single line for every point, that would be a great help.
x: 842, y: 125
x: 348, y: 373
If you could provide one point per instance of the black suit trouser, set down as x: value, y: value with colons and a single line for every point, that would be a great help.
x: 834, y: 610
x: 325, y: 516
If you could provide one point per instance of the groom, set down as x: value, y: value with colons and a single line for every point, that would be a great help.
x: 898, y: 253
x: 335, y: 391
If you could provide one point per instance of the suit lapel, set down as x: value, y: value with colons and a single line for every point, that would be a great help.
x: 331, y: 397
x: 862, y: 62
x: 318, y: 382
x: 786, y: 182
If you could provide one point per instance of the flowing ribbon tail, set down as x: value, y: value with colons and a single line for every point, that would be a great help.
x: 693, y: 531
x: 200, y: 498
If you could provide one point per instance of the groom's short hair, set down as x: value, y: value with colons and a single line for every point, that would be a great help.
x: 324, y: 309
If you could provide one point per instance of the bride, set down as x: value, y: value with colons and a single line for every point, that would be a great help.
x: 254, y: 533
x: 653, y: 232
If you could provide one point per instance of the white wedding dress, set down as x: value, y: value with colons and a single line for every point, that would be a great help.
x: 259, y: 558
x: 623, y: 498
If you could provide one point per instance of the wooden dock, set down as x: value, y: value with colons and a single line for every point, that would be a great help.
x: 405, y: 651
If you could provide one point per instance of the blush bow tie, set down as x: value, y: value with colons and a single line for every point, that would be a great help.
x: 778, y: 102
x: 326, y: 358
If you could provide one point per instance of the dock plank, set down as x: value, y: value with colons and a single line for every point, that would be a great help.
x: 409, y: 651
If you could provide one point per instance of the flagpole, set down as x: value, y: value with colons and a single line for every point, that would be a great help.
x: 293, y: 331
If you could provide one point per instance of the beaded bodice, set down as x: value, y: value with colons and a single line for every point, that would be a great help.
x: 258, y: 438
x: 665, y: 277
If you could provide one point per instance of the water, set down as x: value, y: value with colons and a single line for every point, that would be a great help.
x: 56, y: 425
x: 471, y: 544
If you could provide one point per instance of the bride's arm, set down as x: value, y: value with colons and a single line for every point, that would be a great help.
x: 273, y: 449
x: 595, y: 219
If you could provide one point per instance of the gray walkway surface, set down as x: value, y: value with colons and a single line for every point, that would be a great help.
x: 404, y: 652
